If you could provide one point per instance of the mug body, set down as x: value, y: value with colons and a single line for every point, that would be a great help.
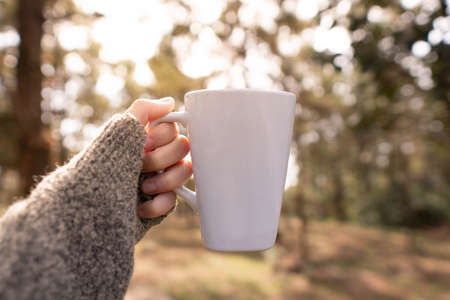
x: 240, y: 144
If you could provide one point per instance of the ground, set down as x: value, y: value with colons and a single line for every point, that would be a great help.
x: 346, y: 262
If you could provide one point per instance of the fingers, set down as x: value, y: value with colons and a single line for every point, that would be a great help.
x: 160, y: 135
x: 166, y: 155
x: 145, y: 110
x: 158, y: 206
x: 172, y: 178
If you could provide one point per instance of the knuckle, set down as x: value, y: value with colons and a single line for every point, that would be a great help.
x: 163, y: 126
x: 164, y: 132
x: 151, y: 161
x: 169, y: 129
x: 169, y: 180
x: 157, y: 164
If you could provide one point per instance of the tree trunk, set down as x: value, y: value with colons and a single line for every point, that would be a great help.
x: 34, y: 135
x: 338, y: 197
x: 303, y: 241
x: 303, y: 215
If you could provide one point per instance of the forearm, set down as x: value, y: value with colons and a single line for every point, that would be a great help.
x: 73, y: 237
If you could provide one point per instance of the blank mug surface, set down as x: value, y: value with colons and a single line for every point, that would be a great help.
x: 240, y: 144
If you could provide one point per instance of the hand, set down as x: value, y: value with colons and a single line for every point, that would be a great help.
x: 164, y: 150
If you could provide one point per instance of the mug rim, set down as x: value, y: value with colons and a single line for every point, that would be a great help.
x: 237, y: 90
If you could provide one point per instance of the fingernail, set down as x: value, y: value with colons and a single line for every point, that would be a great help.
x: 166, y: 99
x: 149, y: 187
x: 148, y: 145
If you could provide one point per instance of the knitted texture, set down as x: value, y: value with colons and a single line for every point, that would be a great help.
x: 74, y: 236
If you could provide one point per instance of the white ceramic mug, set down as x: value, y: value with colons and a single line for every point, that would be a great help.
x: 240, y: 141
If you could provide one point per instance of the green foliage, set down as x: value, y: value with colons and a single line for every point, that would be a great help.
x: 372, y: 130
x: 385, y: 164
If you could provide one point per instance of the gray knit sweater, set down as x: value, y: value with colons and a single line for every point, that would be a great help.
x: 74, y: 236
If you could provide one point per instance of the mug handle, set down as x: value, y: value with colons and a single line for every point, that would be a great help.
x: 182, y: 118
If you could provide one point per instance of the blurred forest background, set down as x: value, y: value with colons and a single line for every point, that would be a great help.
x: 367, y: 202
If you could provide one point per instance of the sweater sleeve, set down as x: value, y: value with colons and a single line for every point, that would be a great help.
x: 74, y: 236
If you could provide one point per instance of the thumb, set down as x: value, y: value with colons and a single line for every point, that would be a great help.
x: 145, y: 110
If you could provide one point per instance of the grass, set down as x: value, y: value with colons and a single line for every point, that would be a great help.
x: 346, y: 262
